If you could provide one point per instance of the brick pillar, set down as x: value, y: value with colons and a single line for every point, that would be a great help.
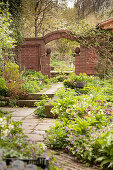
x: 77, y: 64
x: 77, y: 61
x: 86, y: 61
x: 45, y: 63
x: 47, y: 66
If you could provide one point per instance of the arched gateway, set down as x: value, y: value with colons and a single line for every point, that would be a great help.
x: 32, y: 54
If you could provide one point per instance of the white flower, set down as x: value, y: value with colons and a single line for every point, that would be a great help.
x: 10, y: 126
x: 1, y: 119
x: 91, y: 95
x: 5, y: 132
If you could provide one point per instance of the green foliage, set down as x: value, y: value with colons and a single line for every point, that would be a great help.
x: 57, y: 136
x: 106, y: 143
x: 3, y: 113
x: 71, y: 82
x: 61, y: 106
x: 101, y: 41
x: 64, y: 47
x: 11, y: 72
x: 15, y: 9
x: 40, y: 110
x: 35, y: 81
x: 6, y: 40
x: 14, y: 143
x: 85, y: 121
x: 13, y: 79
x: 63, y: 63
x: 3, y: 87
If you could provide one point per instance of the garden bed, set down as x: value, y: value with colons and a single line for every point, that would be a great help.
x: 85, y: 128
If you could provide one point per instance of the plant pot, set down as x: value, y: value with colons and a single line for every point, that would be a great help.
x: 80, y: 85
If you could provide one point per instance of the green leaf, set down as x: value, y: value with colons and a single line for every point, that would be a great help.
x: 101, y: 158
x: 104, y: 162
x: 110, y: 165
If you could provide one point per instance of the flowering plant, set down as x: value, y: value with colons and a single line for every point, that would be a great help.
x: 85, y: 124
x: 14, y: 143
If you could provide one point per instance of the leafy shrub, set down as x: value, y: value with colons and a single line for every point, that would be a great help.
x: 70, y: 84
x: 40, y: 110
x: 57, y: 136
x: 105, y: 143
x: 13, y: 80
x: 83, y: 78
x: 35, y: 81
x: 32, y: 86
x: 3, y: 87
x: 85, y: 122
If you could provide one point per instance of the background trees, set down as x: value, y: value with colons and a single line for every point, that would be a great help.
x: 6, y: 40
x: 38, y: 15
x: 87, y: 7
x: 15, y: 9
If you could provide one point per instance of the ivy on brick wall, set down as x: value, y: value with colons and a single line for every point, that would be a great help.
x: 102, y: 41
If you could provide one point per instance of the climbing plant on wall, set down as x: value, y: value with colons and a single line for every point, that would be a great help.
x: 102, y: 41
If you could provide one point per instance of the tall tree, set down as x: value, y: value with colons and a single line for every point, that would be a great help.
x: 38, y: 11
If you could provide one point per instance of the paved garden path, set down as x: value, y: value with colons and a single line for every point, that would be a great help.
x: 54, y: 88
x: 35, y: 128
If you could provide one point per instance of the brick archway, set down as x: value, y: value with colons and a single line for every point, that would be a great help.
x: 45, y: 61
x: 57, y: 35
x: 32, y: 54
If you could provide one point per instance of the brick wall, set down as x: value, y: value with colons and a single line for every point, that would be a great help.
x: 32, y: 55
x: 86, y: 61
x: 28, y: 57
x: 107, y: 24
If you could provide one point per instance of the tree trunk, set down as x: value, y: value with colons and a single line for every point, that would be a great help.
x: 36, y: 28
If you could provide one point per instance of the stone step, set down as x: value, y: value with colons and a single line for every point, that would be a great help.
x: 37, y: 96
x: 57, y: 73
x: 26, y: 103
x: 48, y: 112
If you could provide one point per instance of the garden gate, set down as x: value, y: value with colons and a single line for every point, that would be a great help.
x: 33, y: 54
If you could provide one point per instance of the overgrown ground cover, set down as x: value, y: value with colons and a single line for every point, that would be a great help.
x: 85, y: 125
x: 13, y: 142
x: 16, y: 84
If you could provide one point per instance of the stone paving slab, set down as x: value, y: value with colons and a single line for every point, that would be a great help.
x: 36, y: 137
x: 28, y: 131
x: 31, y: 116
x: 33, y: 127
x: 26, y: 120
x: 17, y: 118
x: 17, y: 111
x: 54, y: 88
x: 48, y: 120
x: 39, y: 132
x: 28, y: 126
x: 22, y: 112
x: 43, y: 126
